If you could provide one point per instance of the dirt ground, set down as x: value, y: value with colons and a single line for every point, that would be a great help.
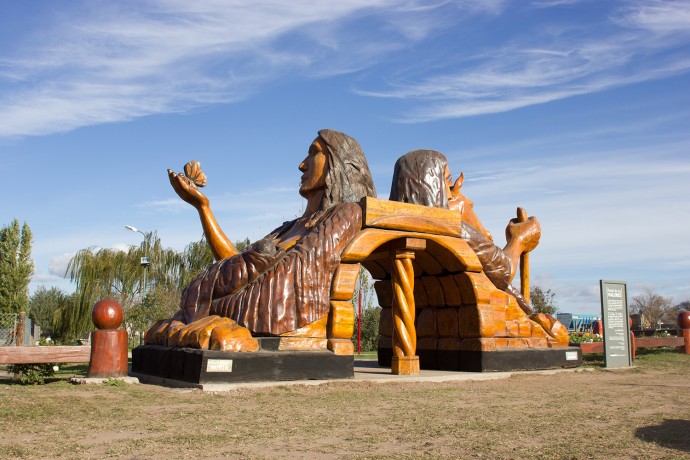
x: 643, y: 412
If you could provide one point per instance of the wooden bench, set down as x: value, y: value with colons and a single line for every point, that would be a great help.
x: 39, y: 355
x: 683, y: 344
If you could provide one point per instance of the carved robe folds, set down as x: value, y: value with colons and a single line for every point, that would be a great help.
x: 272, y: 291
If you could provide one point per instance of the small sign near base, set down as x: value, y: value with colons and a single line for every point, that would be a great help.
x: 614, y: 313
x: 219, y: 365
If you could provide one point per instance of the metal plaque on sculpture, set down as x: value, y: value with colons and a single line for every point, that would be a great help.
x: 219, y: 365
x: 614, y: 308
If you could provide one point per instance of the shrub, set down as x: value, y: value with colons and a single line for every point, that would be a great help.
x: 33, y: 374
x: 584, y: 337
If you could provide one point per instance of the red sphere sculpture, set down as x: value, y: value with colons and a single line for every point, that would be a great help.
x: 684, y: 320
x: 107, y: 314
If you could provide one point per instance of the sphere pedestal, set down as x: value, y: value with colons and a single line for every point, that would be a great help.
x: 108, y: 344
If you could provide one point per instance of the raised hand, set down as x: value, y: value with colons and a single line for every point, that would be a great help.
x: 457, y: 201
x: 524, y: 234
x: 186, y: 190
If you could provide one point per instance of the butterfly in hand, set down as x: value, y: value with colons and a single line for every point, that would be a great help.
x: 194, y: 173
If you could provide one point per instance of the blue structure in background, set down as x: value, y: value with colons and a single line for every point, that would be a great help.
x: 576, y: 322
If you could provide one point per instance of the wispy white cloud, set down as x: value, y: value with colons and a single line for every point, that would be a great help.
x: 556, y: 63
x: 109, y: 62
x: 112, y: 62
x: 553, y: 3
x: 660, y: 16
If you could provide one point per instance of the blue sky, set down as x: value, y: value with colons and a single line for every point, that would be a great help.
x: 578, y: 111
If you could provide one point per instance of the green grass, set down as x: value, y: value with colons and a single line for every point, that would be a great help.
x: 629, y: 414
x: 366, y: 355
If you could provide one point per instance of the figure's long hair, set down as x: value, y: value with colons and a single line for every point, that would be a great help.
x: 348, y: 179
x: 418, y: 178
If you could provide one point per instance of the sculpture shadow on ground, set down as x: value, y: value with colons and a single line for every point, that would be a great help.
x: 670, y: 433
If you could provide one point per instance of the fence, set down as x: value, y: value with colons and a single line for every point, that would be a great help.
x: 9, y: 330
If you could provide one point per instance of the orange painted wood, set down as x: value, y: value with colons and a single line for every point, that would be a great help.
x: 425, y: 324
x: 524, y: 261
x: 302, y: 344
x: 232, y: 337
x: 426, y: 264
x: 434, y: 291
x: 344, y: 281
x: 376, y: 270
x: 405, y: 365
x: 452, y: 253
x: 478, y: 344
x: 316, y: 330
x: 474, y: 288
x: 395, y: 215
x: 342, y: 347
x: 341, y: 320
x: 420, y: 300
x: 447, y: 322
x: 38, y: 355
x: 451, y: 292
x: 404, y: 333
x: 476, y: 321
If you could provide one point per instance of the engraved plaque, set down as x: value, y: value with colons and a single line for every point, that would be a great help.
x: 219, y: 365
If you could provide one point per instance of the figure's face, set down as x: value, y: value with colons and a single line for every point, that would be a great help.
x: 314, y: 168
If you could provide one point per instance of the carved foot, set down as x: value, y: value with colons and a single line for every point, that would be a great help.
x: 158, y: 333
x: 198, y: 333
x: 233, y: 337
x: 553, y: 328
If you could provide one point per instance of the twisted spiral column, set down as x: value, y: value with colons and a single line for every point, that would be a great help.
x: 404, y: 333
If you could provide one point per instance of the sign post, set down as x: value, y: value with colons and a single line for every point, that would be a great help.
x: 614, y: 312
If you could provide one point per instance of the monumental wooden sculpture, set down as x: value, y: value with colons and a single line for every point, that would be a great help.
x: 291, y: 291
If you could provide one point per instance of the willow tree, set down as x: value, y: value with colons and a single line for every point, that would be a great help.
x: 146, y: 293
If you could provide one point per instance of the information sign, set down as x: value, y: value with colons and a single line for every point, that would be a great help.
x: 614, y: 309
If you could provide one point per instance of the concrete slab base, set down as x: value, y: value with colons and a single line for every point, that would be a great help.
x: 100, y: 381
x: 364, y: 371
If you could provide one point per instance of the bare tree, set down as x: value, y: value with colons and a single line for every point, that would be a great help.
x: 654, y: 308
x: 543, y: 301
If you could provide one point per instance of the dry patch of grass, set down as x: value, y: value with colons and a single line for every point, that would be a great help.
x: 632, y: 413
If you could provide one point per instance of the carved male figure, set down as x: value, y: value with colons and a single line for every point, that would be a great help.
x: 423, y: 177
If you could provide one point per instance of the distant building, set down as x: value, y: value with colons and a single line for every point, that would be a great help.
x: 576, y: 322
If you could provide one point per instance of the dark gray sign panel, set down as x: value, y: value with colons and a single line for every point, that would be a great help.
x: 614, y: 313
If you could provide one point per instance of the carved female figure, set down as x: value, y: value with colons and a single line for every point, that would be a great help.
x: 281, y: 282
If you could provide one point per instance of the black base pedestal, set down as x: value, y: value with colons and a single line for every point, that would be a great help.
x: 520, y: 359
x: 206, y: 366
x: 495, y: 361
